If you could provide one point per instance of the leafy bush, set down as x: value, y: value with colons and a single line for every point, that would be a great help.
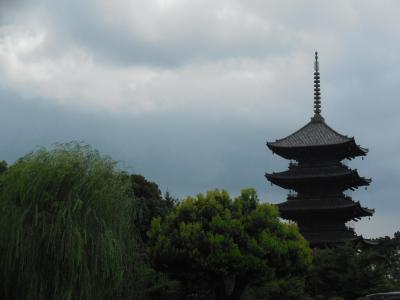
x: 217, y: 246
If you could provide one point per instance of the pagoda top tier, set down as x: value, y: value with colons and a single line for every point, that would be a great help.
x: 313, y: 134
x: 316, y: 139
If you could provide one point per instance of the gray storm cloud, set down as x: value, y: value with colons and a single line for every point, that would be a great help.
x: 188, y: 92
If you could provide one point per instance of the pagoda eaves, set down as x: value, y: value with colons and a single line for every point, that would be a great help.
x: 316, y: 137
x: 343, y: 179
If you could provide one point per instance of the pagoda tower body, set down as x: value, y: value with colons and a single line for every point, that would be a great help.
x: 318, y: 178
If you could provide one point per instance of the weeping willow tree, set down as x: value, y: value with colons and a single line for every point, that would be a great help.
x: 65, y: 226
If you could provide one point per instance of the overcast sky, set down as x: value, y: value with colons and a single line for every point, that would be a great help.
x: 187, y: 92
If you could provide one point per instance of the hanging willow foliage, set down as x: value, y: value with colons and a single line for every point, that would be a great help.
x: 64, y: 226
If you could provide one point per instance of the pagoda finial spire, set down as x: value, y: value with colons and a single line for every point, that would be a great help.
x: 317, y: 91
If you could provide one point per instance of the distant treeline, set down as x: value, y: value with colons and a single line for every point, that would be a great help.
x: 75, y: 226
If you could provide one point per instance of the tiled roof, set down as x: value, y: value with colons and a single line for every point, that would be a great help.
x: 327, y: 237
x: 317, y: 174
x: 314, y: 133
x: 325, y: 204
x: 319, y: 170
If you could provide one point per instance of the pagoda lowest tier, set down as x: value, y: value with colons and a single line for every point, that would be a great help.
x: 319, y: 179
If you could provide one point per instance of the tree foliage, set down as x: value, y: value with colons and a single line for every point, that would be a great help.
x: 387, y: 256
x: 217, y: 247
x: 3, y: 166
x: 147, y: 196
x: 64, y: 226
x: 353, y: 270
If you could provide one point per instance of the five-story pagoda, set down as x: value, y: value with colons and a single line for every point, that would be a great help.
x: 319, y: 178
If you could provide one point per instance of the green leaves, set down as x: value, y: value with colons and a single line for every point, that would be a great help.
x: 64, y: 230
x: 147, y: 197
x: 218, y: 237
x: 354, y: 270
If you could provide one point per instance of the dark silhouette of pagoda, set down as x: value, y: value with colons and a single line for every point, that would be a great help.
x: 319, y: 178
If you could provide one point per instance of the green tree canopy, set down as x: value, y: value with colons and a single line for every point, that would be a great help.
x: 64, y: 226
x: 218, y: 246
x: 387, y: 255
x: 3, y: 166
x: 354, y: 270
x: 150, y: 202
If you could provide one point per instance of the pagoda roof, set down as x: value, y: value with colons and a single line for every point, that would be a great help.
x: 322, y: 239
x: 314, y: 133
x: 319, y: 238
x: 316, y: 170
x: 287, y: 179
x: 354, y: 209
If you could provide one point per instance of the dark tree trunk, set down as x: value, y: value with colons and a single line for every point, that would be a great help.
x: 220, y: 291
x: 238, y: 289
x: 235, y: 294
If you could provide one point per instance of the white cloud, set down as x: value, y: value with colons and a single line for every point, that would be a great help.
x: 75, y: 78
